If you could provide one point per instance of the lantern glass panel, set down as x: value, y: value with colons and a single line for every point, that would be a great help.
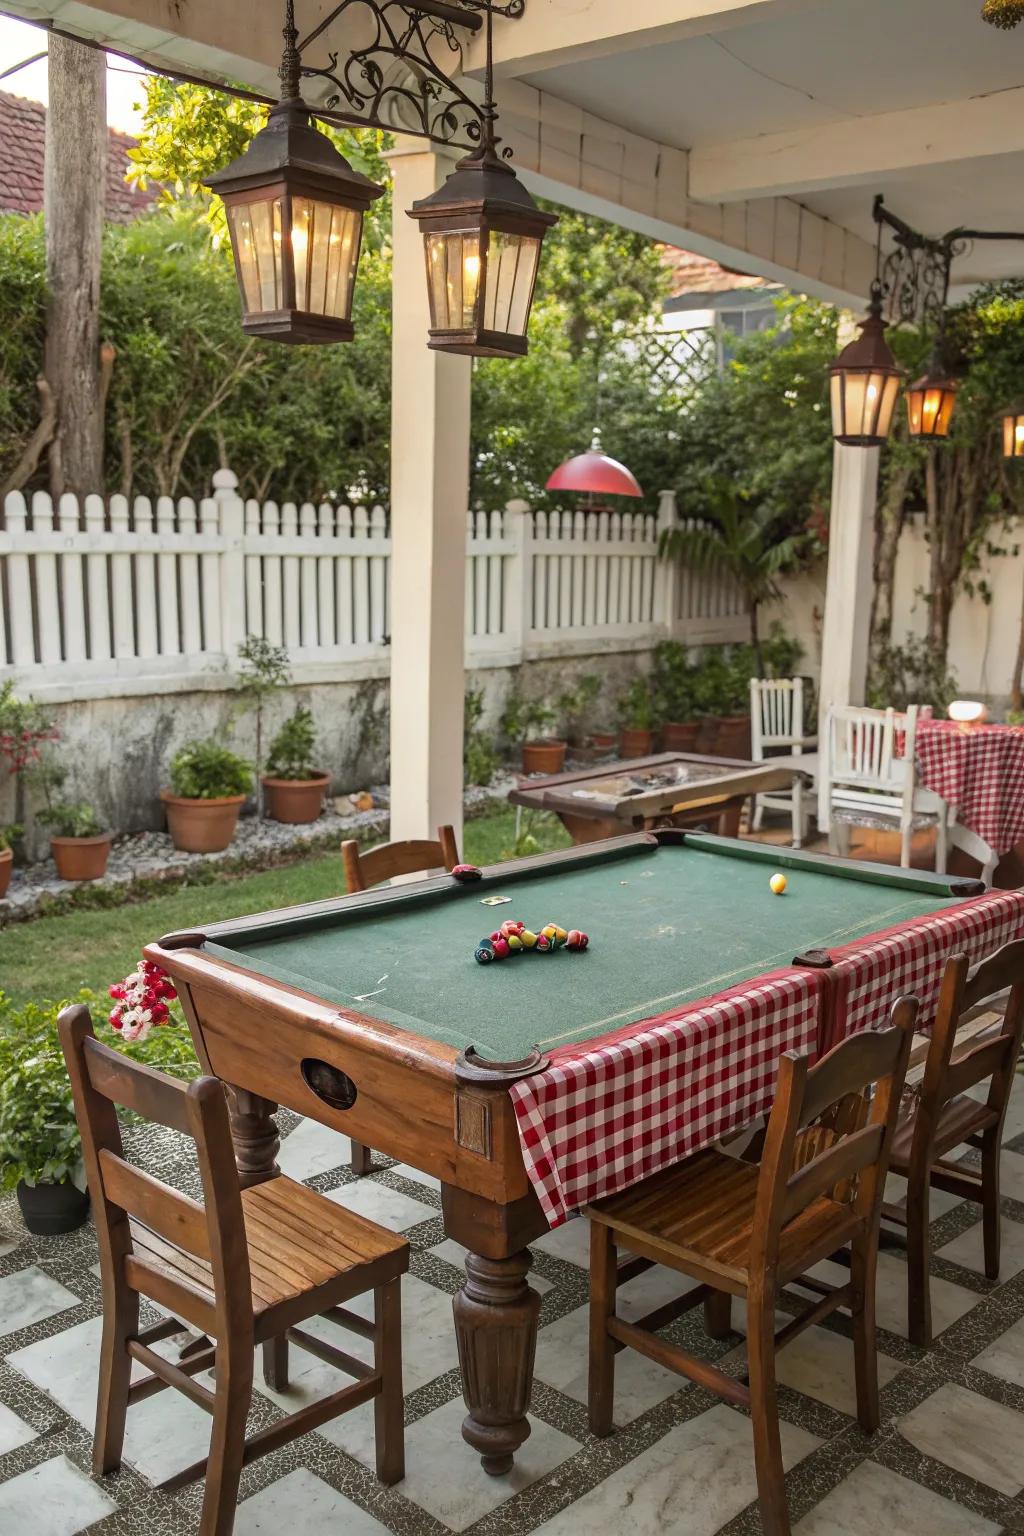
x: 1013, y: 435
x: 453, y: 272
x: 325, y: 249
x: 256, y: 235
x: 929, y: 410
x: 511, y: 270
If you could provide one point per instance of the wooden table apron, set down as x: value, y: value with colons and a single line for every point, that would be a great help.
x: 463, y: 1132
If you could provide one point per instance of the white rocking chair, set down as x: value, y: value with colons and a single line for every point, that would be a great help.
x: 777, y: 729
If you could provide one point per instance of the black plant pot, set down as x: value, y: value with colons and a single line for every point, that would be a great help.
x: 52, y: 1208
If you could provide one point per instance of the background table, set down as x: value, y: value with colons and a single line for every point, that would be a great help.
x: 530, y: 1085
x: 979, y: 770
x: 681, y: 788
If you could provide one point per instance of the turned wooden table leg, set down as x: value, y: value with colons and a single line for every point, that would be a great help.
x: 496, y: 1315
x: 254, y: 1133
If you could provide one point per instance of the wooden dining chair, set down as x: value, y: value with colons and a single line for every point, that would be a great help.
x: 413, y: 857
x: 939, y: 1115
x: 245, y: 1268
x: 363, y: 870
x: 742, y: 1229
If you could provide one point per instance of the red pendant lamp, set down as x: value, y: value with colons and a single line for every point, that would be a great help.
x: 595, y: 473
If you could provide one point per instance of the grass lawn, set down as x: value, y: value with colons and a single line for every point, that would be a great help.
x: 52, y: 958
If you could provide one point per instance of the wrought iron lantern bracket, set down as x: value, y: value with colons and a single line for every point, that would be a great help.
x: 403, y: 78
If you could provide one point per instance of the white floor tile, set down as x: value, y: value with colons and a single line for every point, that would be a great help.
x: 28, y: 1296
x: 693, y: 1481
x: 443, y: 1474
x: 52, y: 1499
x: 428, y: 1349
x: 967, y: 1249
x: 164, y: 1434
x: 949, y: 1302
x: 562, y: 1363
x: 819, y: 1364
x: 313, y: 1148
x: 417, y: 1175
x: 570, y: 1241
x: 939, y: 1200
x: 383, y: 1205
x: 1004, y: 1357
x: 13, y: 1430
x: 1011, y: 1176
x: 970, y: 1433
x: 873, y: 1499
x: 303, y: 1502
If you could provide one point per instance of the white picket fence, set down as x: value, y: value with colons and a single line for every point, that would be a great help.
x: 107, y: 597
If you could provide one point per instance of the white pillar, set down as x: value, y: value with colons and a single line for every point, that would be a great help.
x: 845, y: 634
x: 429, y: 498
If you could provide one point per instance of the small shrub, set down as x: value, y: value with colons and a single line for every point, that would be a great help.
x: 526, y: 719
x: 636, y: 706
x: 911, y: 673
x: 206, y: 770
x: 479, y: 757
x: 292, y: 749
x: 9, y: 835
x: 575, y: 703
x: 673, y: 682
x: 68, y: 818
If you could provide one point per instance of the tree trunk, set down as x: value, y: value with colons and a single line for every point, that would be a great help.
x: 888, y: 527
x: 1017, y: 685
x: 75, y: 188
x: 755, y: 640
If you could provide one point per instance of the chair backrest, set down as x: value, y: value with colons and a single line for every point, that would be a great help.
x: 416, y: 856
x: 872, y: 751
x: 991, y: 1056
x: 213, y: 1234
x: 776, y: 713
x: 849, y: 1158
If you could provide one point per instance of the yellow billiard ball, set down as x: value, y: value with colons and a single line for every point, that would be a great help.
x: 777, y: 884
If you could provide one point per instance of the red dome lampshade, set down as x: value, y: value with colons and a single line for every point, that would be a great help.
x: 595, y: 472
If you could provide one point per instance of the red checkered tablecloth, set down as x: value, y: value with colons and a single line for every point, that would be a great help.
x: 980, y: 770
x: 596, y: 1121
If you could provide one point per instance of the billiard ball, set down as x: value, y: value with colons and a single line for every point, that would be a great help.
x: 528, y: 939
x: 484, y: 952
x: 777, y: 884
x: 576, y: 939
x: 501, y: 949
x: 465, y: 873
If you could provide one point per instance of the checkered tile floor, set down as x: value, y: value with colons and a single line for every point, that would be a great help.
x: 948, y: 1461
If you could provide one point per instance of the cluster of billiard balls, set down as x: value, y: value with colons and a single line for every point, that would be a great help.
x: 514, y: 938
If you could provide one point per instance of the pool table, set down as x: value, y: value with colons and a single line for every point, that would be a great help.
x: 369, y: 1013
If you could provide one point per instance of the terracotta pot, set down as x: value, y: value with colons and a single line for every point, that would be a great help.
x: 603, y: 741
x: 733, y: 739
x: 543, y: 756
x: 6, y: 866
x: 680, y: 735
x: 48, y: 1209
x: 707, y: 735
x: 201, y: 826
x: 81, y: 858
x: 295, y: 800
x: 636, y: 743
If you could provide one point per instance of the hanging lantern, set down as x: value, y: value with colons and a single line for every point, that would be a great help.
x: 930, y: 402
x: 594, y: 472
x: 1012, y: 420
x: 865, y: 380
x: 482, y: 234
x: 295, y: 216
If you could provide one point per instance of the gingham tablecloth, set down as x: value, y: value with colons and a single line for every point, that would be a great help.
x: 980, y: 770
x: 596, y: 1121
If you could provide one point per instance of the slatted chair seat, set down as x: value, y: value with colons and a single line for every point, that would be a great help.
x: 702, y: 1212
x: 744, y: 1229
x: 969, y: 1045
x: 300, y: 1246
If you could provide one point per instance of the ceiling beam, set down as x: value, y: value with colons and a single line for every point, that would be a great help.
x: 858, y: 150
x: 552, y: 33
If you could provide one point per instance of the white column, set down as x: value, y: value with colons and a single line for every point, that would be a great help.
x: 429, y: 498
x: 845, y: 634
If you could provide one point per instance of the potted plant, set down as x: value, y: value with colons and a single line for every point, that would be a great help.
x: 8, y: 837
x: 479, y: 757
x: 263, y: 669
x: 209, y: 784
x: 574, y: 704
x: 293, y: 789
x: 636, y: 711
x: 524, y: 721
x: 78, y: 843
x: 672, y: 683
x: 40, y: 1147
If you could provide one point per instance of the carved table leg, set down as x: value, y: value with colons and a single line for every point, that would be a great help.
x: 254, y: 1133
x: 496, y: 1315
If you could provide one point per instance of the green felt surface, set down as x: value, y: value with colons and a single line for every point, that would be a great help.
x: 666, y: 926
